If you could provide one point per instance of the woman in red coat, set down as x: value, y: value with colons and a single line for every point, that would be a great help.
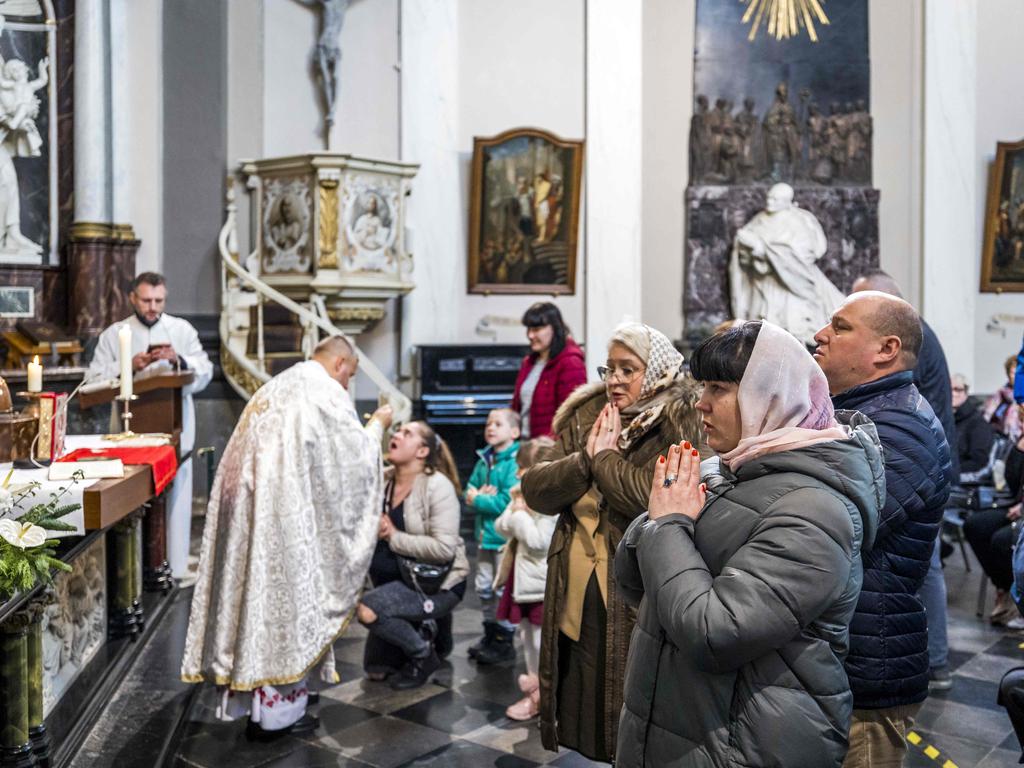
x: 549, y: 374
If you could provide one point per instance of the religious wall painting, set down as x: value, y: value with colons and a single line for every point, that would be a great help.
x: 287, y: 218
x: 28, y: 147
x: 524, y: 213
x: 1002, y: 258
x: 370, y: 215
x: 769, y: 110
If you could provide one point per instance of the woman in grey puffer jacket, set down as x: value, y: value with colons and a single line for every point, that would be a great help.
x: 748, y: 583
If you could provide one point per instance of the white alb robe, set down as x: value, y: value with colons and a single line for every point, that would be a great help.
x: 184, y: 340
x: 290, y: 530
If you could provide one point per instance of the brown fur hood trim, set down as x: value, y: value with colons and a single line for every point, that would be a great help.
x: 681, y: 412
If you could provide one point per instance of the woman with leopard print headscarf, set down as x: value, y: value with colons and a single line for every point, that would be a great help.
x: 597, y: 480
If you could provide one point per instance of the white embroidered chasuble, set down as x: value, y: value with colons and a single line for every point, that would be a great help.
x: 290, y: 530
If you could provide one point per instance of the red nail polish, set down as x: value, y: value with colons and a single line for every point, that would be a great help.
x: 687, y: 446
x: 696, y: 452
x: 661, y: 459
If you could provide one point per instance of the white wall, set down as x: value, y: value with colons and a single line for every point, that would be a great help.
x: 999, y: 117
x: 668, y: 37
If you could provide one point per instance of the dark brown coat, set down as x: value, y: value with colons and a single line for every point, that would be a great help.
x: 624, y: 484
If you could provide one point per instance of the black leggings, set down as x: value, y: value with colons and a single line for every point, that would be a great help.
x: 991, y: 536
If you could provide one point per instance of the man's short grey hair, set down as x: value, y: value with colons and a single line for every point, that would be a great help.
x: 334, y: 346
x: 894, y: 316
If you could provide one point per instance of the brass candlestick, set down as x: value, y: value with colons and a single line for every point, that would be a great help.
x: 126, y: 419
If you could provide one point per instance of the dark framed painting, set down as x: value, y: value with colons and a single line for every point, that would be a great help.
x: 524, y: 213
x: 1002, y: 254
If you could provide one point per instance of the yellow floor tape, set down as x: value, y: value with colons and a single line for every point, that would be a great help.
x: 913, y: 737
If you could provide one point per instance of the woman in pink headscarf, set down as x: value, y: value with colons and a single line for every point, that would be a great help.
x: 748, y: 577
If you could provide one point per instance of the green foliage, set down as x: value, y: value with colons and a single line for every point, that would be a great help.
x: 21, y: 569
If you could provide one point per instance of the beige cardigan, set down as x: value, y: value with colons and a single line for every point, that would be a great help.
x: 432, y: 515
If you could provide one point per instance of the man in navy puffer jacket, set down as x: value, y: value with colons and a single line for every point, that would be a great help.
x: 868, y: 353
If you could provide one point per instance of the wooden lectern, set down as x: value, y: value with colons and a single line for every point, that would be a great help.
x: 157, y: 409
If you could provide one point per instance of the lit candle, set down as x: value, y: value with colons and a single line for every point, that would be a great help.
x: 35, y: 375
x: 124, y: 341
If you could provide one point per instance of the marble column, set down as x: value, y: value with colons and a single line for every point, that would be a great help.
x: 36, y: 726
x: 92, y: 113
x: 101, y: 254
x: 614, y: 164
x: 951, y: 195
x: 15, y: 745
x: 124, y: 566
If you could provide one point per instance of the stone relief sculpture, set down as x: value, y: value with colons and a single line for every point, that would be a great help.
x: 19, y: 137
x: 287, y: 226
x: 788, y: 143
x: 74, y: 624
x: 370, y: 218
x: 773, y: 272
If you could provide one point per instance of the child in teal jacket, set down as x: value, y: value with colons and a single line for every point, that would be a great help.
x: 488, y: 493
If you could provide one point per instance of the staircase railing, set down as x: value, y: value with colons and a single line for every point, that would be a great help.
x: 240, y: 370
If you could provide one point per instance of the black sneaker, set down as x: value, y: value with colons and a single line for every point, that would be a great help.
x: 490, y: 627
x: 939, y: 679
x: 501, y: 648
x: 416, y: 672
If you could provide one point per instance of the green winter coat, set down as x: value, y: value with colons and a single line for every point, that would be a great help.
x: 499, y: 470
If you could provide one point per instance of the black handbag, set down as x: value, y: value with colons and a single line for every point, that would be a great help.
x: 424, y: 578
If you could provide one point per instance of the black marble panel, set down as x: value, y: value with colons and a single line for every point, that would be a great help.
x: 849, y: 216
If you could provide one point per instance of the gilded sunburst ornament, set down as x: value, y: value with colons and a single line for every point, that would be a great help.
x: 784, y: 18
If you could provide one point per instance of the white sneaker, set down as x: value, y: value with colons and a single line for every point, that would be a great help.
x: 1017, y: 623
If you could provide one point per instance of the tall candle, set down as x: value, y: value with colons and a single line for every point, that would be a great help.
x: 35, y: 375
x: 124, y: 341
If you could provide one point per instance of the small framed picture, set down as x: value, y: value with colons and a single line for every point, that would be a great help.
x: 17, y: 301
x: 1002, y: 262
x: 524, y: 213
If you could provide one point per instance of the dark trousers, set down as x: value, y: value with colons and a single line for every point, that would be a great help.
x: 991, y: 536
x: 1011, y: 696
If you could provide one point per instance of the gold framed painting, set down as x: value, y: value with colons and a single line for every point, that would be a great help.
x: 524, y: 213
x: 1002, y: 254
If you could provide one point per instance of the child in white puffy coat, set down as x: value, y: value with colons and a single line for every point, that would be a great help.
x: 523, y: 571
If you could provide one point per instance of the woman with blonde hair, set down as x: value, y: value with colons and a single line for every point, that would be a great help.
x: 419, y: 525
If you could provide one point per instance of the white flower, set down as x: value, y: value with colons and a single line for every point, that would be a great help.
x: 23, y: 535
x: 6, y: 499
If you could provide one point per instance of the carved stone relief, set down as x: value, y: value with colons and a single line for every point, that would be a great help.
x: 287, y: 213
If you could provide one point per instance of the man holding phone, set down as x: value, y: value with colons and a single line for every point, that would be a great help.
x: 159, y: 339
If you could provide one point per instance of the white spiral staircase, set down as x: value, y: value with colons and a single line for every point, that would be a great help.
x: 245, y: 303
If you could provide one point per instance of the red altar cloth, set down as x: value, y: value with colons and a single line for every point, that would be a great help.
x: 161, y: 458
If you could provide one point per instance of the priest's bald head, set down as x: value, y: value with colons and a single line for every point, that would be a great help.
x: 871, y: 335
x: 338, y: 358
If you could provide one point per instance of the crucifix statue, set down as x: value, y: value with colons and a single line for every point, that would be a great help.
x: 327, y: 55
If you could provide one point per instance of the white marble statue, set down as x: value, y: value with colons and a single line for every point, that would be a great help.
x: 19, y: 137
x: 773, y: 273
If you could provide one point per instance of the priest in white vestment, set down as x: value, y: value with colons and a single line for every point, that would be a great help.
x: 162, y: 340
x: 290, y: 531
x: 773, y: 274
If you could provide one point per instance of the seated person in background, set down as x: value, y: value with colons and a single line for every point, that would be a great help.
x: 523, y: 572
x: 1011, y: 688
x: 1000, y: 411
x: 488, y: 495
x: 973, y: 434
x: 990, y: 534
x: 420, y: 523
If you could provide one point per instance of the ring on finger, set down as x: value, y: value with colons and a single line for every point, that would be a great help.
x: 669, y: 479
